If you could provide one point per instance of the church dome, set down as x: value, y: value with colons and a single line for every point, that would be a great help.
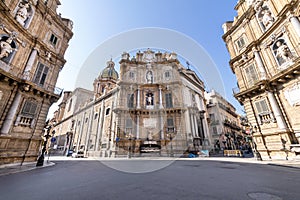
x: 109, y: 72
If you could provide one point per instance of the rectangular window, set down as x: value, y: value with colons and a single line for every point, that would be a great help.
x: 215, y: 130
x: 130, y: 100
x: 53, y: 40
x: 261, y: 106
x: 167, y: 74
x: 264, y: 113
x: 29, y: 108
x: 170, y: 125
x: 241, y: 42
x: 169, y: 102
x: 251, y: 75
x: 212, y: 117
x: 41, y: 74
x: 128, y: 125
x: 131, y: 75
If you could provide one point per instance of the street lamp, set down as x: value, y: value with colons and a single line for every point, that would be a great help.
x: 170, y: 136
x: 47, y: 129
x: 129, y: 136
x: 253, y: 130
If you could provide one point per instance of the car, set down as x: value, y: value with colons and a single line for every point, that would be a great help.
x: 79, y: 154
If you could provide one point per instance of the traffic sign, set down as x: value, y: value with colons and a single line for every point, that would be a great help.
x: 53, y: 139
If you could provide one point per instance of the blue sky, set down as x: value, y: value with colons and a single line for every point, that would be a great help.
x: 96, y: 21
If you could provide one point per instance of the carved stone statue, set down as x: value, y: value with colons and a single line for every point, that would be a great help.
x: 267, y: 18
x: 6, y: 48
x: 149, y: 77
x: 283, y: 53
x: 149, y: 99
x: 258, y: 5
x: 22, y: 13
x: 149, y: 136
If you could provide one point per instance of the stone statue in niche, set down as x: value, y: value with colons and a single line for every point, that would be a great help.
x: 257, y: 5
x: 149, y: 135
x: 267, y: 18
x: 149, y: 99
x: 5, y: 47
x: 282, y: 52
x: 149, y: 77
x: 22, y: 12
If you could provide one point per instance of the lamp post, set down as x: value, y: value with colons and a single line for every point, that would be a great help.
x: 47, y: 128
x: 170, y: 136
x: 253, y: 130
x: 129, y: 136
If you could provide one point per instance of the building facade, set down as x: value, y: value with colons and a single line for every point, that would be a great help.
x: 154, y: 105
x: 263, y: 42
x: 33, y: 40
x: 224, y: 123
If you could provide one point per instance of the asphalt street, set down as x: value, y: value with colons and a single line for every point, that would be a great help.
x: 197, y: 179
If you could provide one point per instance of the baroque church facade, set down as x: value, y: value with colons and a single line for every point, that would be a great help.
x: 33, y: 40
x: 154, y: 105
x: 263, y: 43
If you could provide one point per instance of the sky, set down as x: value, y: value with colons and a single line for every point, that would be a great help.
x: 98, y: 21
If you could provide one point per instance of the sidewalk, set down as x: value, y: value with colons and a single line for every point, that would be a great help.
x: 15, y: 168
x: 282, y: 163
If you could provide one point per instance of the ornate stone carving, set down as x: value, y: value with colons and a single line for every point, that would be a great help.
x: 282, y: 52
x: 267, y: 18
x: 292, y: 94
x: 257, y: 4
x: 6, y: 47
x: 22, y: 12
x: 149, y: 77
x: 148, y: 56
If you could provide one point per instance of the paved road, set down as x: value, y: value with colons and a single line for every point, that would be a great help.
x: 197, y: 179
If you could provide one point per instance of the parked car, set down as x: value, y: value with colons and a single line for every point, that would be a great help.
x: 79, y: 154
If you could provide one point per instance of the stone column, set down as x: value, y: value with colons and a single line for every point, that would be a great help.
x: 160, y: 98
x: 138, y: 126
x: 260, y: 65
x: 138, y: 106
x: 27, y: 70
x: 100, y: 122
x: 197, y: 134
x: 277, y: 112
x: 11, y: 114
x: 161, y: 127
x: 89, y: 132
x: 192, y: 124
x: 296, y: 24
x: 80, y: 133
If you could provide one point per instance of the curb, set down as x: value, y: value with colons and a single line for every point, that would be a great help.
x: 287, y: 166
x: 49, y: 164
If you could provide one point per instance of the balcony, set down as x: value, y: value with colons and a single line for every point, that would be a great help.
x: 17, y: 73
x: 232, y: 125
x: 266, y: 117
x: 24, y: 120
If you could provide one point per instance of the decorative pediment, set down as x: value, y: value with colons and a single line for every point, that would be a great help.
x: 148, y: 56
